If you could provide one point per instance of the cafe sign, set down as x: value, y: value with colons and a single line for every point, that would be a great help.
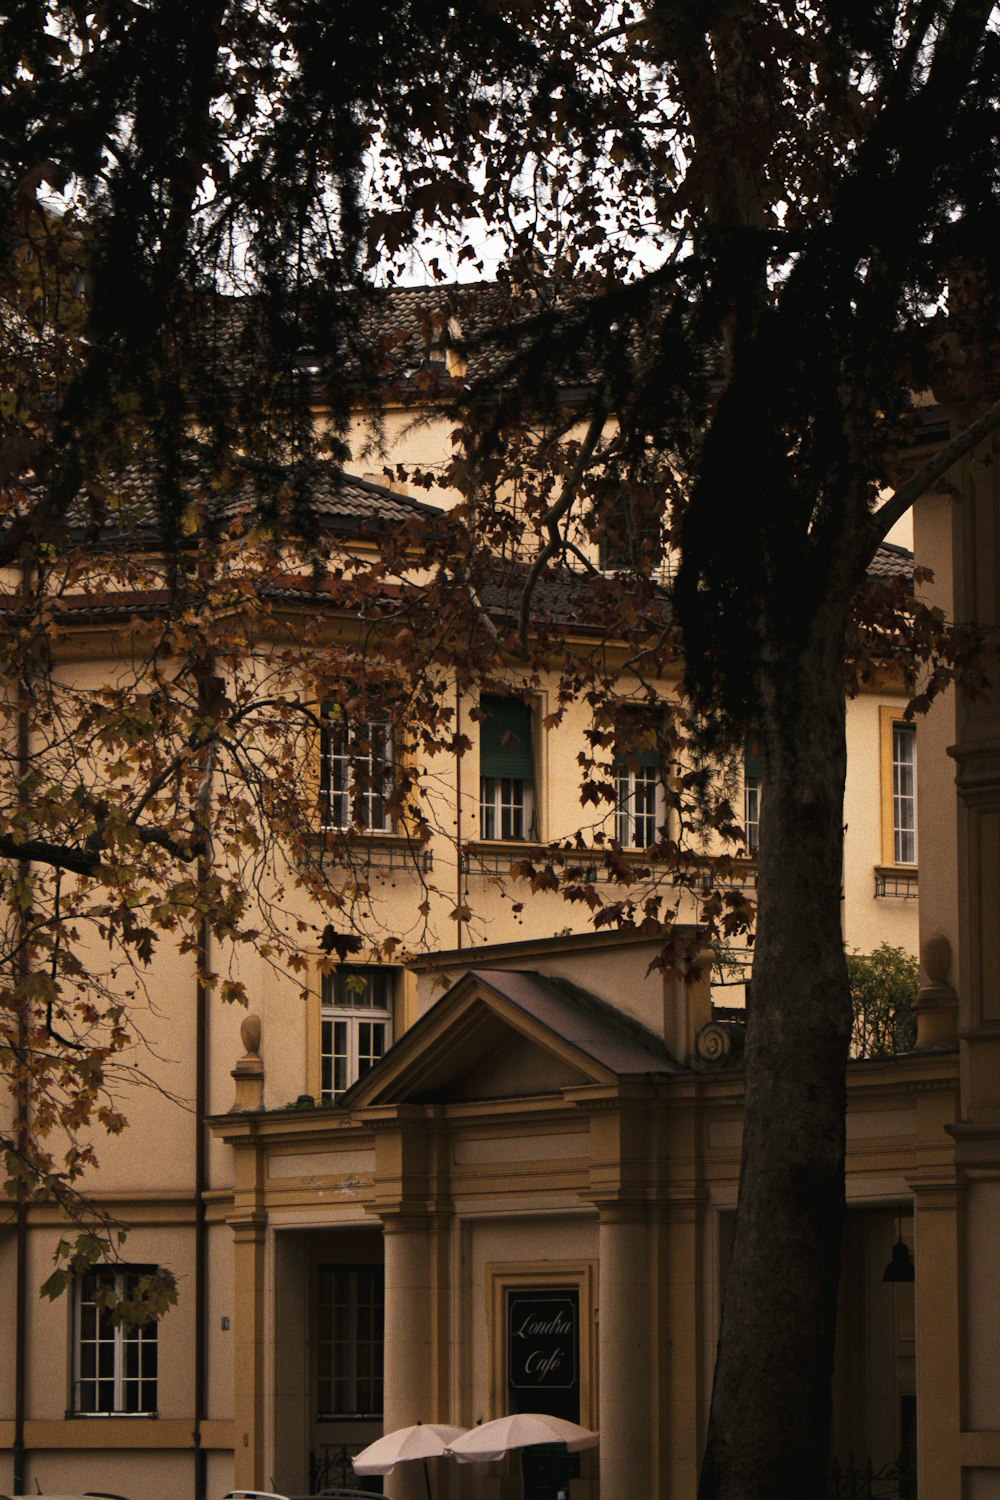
x: 543, y: 1340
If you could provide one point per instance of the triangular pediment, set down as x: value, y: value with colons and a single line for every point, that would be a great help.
x: 503, y: 1035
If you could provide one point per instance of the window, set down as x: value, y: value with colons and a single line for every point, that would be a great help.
x: 355, y: 1025
x: 638, y: 804
x: 115, y: 1366
x: 506, y: 770
x: 355, y: 771
x: 631, y: 534
x: 639, y: 792
x: 904, y: 794
x: 899, y: 790
x: 753, y: 778
x: 349, y: 1336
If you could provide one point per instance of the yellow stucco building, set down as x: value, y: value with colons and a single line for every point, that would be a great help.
x: 360, y: 1192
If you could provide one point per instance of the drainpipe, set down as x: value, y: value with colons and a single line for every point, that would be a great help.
x: 22, y: 1097
x: 20, y: 1343
x: 204, y: 673
x: 200, y: 1186
x: 458, y: 814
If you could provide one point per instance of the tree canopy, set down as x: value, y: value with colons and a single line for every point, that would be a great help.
x: 742, y: 248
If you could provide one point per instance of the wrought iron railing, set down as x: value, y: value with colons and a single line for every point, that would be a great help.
x: 895, y: 1481
x: 901, y: 883
x: 331, y: 1469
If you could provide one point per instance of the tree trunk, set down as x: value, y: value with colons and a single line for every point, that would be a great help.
x: 769, y: 1426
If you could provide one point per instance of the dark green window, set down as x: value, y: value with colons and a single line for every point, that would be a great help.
x: 506, y: 769
x: 639, y: 792
x: 753, y: 780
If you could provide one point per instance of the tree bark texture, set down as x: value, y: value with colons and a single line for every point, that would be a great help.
x: 768, y: 1429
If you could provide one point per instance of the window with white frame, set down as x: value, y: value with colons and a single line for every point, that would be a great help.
x: 904, y: 794
x: 355, y: 771
x: 630, y: 538
x: 753, y: 779
x: 639, y: 788
x: 350, y: 1320
x: 355, y: 1025
x: 114, y: 1363
x: 506, y: 769
x: 638, y: 804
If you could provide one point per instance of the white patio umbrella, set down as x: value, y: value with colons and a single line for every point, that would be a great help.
x: 424, y: 1440
x: 522, y: 1430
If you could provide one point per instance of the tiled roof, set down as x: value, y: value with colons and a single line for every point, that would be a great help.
x: 414, y: 325
x: 891, y: 561
x: 128, y: 512
x: 561, y: 596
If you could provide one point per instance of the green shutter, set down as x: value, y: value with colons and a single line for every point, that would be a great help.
x: 753, y: 761
x: 636, y: 746
x: 505, y: 739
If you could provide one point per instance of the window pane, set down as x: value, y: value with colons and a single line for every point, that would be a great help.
x: 116, y: 1367
x: 356, y: 774
x: 637, y: 795
x: 355, y: 1026
x: 503, y: 808
x: 751, y: 812
x: 341, y: 1059
x: 353, y: 987
x: 349, y: 1334
x: 904, y: 794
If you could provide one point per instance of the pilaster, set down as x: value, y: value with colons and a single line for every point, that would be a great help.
x: 936, y: 1202
x: 411, y: 1202
x: 249, y: 1231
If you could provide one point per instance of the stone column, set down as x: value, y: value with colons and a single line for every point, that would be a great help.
x: 410, y: 1301
x: 958, y: 1309
x: 248, y: 1351
x: 936, y: 1286
x: 625, y: 1350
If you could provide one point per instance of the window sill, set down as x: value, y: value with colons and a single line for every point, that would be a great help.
x: 899, y: 881
x: 350, y: 1416
x: 496, y: 856
x: 112, y: 1416
x: 382, y: 848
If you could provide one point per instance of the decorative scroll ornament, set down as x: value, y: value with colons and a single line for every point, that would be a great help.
x: 720, y: 1043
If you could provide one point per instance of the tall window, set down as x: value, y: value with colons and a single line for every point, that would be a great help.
x: 631, y: 537
x: 753, y: 774
x: 114, y: 1366
x: 638, y: 804
x: 355, y: 1025
x: 506, y: 769
x: 904, y: 794
x: 355, y: 772
x: 349, y: 1338
x: 639, y: 798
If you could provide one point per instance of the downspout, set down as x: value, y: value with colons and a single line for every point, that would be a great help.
x: 22, y: 1097
x: 458, y: 814
x: 200, y: 1187
x: 201, y: 998
x: 204, y: 676
x: 20, y: 1342
x: 206, y: 689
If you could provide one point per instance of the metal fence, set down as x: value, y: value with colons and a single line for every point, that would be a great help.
x: 895, y: 1481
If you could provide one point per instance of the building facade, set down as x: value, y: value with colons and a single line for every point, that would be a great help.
x: 388, y: 1154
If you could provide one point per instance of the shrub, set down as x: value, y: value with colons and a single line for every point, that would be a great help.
x: 883, y: 989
